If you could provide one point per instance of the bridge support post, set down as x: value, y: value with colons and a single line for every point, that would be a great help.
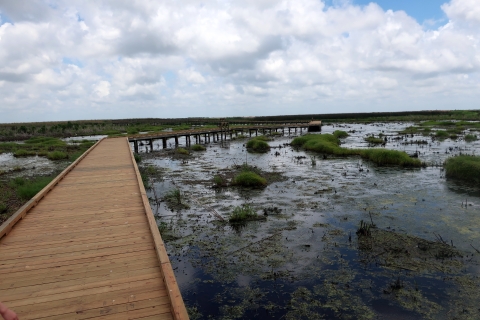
x: 176, y: 140
x: 256, y: 132
x: 164, y: 143
x: 135, y: 146
x: 151, y: 144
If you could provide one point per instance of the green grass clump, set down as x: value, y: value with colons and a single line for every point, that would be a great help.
x: 441, y: 134
x: 174, y: 196
x: 249, y: 179
x: 384, y: 157
x: 463, y: 168
x: 26, y: 189
x: 374, y: 140
x: 57, y: 155
x: 243, y: 213
x: 46, y: 142
x: 24, y: 153
x: 327, y: 143
x: 258, y: 144
x: 219, y: 181
x: 339, y: 134
x: 182, y: 151
x: 198, y: 147
x: 3, y: 207
x: 137, y: 157
x: 471, y: 137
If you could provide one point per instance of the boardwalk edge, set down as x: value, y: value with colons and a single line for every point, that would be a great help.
x: 178, y: 307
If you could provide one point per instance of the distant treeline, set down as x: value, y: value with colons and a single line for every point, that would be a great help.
x: 23, y: 131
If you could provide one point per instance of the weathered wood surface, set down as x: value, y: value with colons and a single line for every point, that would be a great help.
x: 88, y: 247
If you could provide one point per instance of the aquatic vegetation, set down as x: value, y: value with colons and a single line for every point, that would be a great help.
x: 373, y: 140
x: 175, y: 196
x: 327, y: 143
x: 243, y: 213
x: 3, y: 208
x: 198, y: 147
x: 24, y: 153
x: 249, y: 179
x: 46, y: 142
x: 57, y: 155
x: 463, y: 168
x: 219, y: 181
x: 137, y: 157
x: 182, y: 151
x: 27, y: 188
x: 441, y: 134
x: 313, y: 160
x: 384, y: 157
x: 258, y: 144
x: 339, y: 134
x: 364, y: 229
x: 471, y: 137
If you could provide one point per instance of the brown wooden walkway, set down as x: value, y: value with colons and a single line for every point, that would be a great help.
x: 90, y: 248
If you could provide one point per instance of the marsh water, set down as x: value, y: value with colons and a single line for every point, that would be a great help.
x: 305, y: 260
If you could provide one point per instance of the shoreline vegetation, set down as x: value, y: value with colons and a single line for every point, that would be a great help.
x: 330, y: 144
x: 123, y: 127
x: 463, y: 167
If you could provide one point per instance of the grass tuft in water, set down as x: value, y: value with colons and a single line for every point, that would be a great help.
x: 182, y: 151
x: 441, y: 134
x: 175, y: 196
x: 198, y: 147
x: 471, y: 137
x: 327, y: 143
x: 243, y: 213
x: 339, y: 134
x: 249, y: 179
x: 374, y: 140
x: 463, y: 168
x: 258, y: 144
x: 57, y: 155
x: 137, y: 157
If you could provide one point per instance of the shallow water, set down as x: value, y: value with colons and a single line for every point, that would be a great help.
x: 307, y: 262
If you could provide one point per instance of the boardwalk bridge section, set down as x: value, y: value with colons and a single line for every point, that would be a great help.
x: 88, y: 247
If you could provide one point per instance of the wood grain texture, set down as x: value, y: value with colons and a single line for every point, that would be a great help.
x: 87, y: 246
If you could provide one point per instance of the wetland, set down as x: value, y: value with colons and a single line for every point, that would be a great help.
x: 339, y: 236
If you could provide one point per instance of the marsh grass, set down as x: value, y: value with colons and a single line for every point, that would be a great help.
x: 327, y: 143
x: 243, y: 213
x: 175, y: 196
x: 137, y: 157
x: 219, y: 181
x: 249, y: 179
x: 258, y: 144
x: 27, y: 188
x: 464, y: 167
x: 24, y: 153
x: 57, y: 155
x: 441, y: 134
x: 339, y: 134
x: 374, y: 140
x: 198, y: 147
x: 471, y: 137
x: 182, y: 151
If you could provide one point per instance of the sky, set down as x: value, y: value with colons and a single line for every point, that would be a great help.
x: 111, y: 59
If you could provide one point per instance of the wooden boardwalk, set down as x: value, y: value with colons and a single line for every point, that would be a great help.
x: 88, y: 246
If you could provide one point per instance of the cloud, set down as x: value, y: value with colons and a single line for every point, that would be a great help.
x: 230, y: 58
